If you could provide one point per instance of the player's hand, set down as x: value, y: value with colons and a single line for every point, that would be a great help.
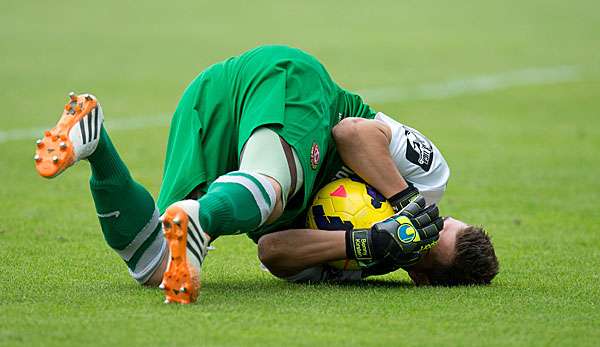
x: 401, y: 239
x: 414, y: 229
x: 403, y: 198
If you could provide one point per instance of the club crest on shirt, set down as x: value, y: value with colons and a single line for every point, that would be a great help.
x: 419, y: 150
x: 315, y: 156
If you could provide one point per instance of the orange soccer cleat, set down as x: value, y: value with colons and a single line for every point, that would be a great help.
x: 74, y: 137
x: 188, y: 247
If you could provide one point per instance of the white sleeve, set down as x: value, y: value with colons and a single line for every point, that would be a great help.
x: 418, y: 160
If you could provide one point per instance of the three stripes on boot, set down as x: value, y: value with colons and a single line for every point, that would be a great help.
x: 90, y: 129
x: 198, y: 242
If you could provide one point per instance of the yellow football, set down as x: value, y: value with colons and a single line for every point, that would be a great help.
x: 345, y: 204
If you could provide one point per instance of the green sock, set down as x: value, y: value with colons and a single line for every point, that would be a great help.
x: 106, y: 163
x: 235, y: 203
x: 127, y: 212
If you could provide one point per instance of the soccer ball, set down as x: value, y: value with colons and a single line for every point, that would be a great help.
x: 346, y: 204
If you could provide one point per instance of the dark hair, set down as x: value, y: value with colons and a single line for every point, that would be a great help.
x: 475, y: 261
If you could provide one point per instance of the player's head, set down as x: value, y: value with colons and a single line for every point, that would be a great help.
x: 463, y: 255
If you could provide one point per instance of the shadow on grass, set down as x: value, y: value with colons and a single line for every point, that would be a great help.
x: 275, y: 284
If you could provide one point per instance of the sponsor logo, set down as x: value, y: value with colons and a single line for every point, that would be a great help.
x: 315, y: 156
x: 406, y: 233
x: 361, y: 247
x: 115, y: 214
x: 427, y: 247
x: 419, y: 150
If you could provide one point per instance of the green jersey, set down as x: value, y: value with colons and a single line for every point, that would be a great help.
x: 280, y: 87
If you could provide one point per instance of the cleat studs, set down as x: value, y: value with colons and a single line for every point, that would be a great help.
x: 183, y: 289
x: 88, y: 97
x: 176, y: 220
x: 62, y: 145
x: 37, y: 157
x: 39, y: 143
x: 167, y: 301
x: 55, y: 159
x: 161, y: 286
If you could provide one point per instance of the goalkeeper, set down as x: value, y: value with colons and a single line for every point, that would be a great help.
x: 234, y: 125
x: 393, y: 158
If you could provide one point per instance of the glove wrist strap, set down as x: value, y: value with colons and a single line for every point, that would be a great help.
x: 403, y: 198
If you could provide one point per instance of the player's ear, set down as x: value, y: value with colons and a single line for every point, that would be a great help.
x: 419, y: 278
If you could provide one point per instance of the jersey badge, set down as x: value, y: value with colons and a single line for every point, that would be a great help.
x: 419, y: 150
x: 315, y: 156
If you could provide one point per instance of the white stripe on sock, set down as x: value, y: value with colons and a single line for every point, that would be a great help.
x: 266, y: 185
x: 264, y: 207
x: 128, y: 252
x: 150, y: 259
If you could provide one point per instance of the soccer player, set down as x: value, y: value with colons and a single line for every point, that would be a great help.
x: 392, y: 157
x: 246, y: 145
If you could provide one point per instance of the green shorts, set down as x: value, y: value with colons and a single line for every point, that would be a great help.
x: 280, y: 87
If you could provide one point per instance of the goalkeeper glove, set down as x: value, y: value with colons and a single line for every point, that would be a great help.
x: 398, y: 240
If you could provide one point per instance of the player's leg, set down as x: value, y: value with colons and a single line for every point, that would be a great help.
x: 236, y: 202
x: 268, y: 155
x: 127, y: 213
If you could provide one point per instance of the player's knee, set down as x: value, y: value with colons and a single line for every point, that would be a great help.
x: 269, y: 250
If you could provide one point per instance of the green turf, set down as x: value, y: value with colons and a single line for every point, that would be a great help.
x: 523, y: 158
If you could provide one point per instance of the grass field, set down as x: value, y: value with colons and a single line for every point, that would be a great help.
x: 509, y: 91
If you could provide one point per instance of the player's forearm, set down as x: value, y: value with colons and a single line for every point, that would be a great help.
x: 363, y: 145
x: 288, y: 252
